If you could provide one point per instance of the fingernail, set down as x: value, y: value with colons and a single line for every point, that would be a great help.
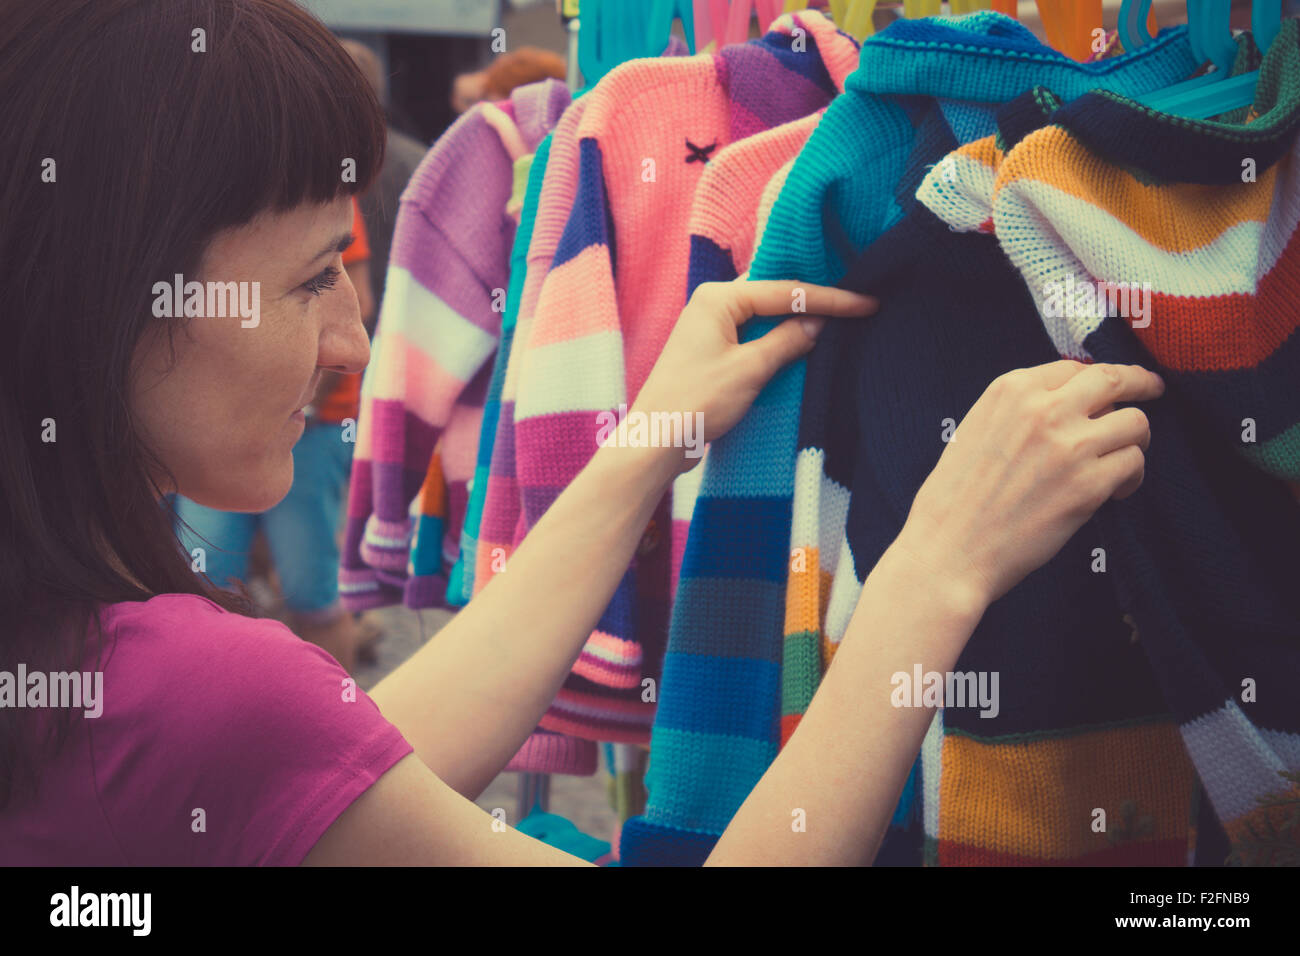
x: 812, y: 325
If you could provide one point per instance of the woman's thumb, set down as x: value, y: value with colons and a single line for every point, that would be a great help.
x: 783, y: 344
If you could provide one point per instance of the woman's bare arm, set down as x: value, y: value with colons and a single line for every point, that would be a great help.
x: 1032, y: 464
x: 468, y: 699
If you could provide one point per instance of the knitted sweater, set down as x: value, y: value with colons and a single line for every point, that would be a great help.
x: 595, y: 336
x: 464, y: 570
x: 724, y: 231
x: 501, y: 502
x: 921, y: 88
x: 1206, y: 555
x: 437, y: 329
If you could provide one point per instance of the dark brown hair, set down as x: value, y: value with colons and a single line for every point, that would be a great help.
x: 160, y: 122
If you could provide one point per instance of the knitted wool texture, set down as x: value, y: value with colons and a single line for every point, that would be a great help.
x: 724, y: 232
x: 922, y: 87
x: 615, y: 287
x: 502, y: 511
x: 1205, y: 555
x: 436, y: 331
x: 464, y: 570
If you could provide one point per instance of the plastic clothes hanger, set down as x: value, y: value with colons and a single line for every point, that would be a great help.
x: 960, y: 7
x: 1009, y: 7
x: 1228, y: 93
x: 738, y: 16
x: 915, y: 9
x: 710, y: 23
x: 1068, y: 25
x: 662, y: 15
x: 857, y: 19
x: 611, y: 32
x: 1134, y: 28
x: 1209, y: 31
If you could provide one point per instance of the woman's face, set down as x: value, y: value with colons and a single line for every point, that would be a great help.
x: 224, y: 415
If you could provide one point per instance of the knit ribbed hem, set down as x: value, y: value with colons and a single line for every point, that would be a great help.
x: 643, y: 843
x: 425, y: 591
x: 545, y: 752
x: 386, y: 544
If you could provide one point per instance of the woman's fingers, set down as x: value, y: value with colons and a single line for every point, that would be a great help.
x: 768, y: 354
x: 1053, y: 375
x: 745, y: 299
x: 1124, y: 426
x: 1097, y: 386
x: 1120, y: 472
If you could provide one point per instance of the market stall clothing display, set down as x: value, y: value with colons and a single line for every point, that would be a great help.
x: 724, y: 229
x: 614, y: 289
x: 1102, y: 195
x: 551, y: 189
x: 438, y: 327
x: 502, y: 510
x: 527, y: 187
x: 922, y: 87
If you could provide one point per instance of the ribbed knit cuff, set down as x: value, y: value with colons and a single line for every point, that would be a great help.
x: 642, y: 843
x: 424, y: 591
x: 387, y: 544
x: 360, y: 590
x: 545, y: 752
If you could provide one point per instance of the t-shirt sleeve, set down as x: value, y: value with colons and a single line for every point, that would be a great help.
x: 227, y: 740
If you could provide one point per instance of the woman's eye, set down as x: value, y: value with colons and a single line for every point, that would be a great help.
x: 322, y: 282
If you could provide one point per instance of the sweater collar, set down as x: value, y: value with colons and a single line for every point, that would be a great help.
x: 1172, y: 148
x: 991, y: 58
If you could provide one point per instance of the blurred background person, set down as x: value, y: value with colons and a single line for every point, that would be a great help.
x: 526, y: 65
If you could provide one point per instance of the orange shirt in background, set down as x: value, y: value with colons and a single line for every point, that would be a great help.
x: 345, y: 400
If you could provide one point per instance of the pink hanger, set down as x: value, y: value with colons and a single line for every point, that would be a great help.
x: 737, y: 30
x: 710, y: 23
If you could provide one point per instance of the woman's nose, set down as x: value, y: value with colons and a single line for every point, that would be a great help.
x: 345, y: 346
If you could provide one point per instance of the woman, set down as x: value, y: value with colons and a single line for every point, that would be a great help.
x: 211, y: 139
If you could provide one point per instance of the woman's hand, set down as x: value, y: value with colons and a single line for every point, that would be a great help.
x: 1033, y: 459
x: 703, y: 369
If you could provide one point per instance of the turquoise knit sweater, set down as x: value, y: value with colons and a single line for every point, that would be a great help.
x: 922, y: 88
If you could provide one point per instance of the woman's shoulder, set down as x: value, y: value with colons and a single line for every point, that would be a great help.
x: 181, y: 661
x: 205, y: 708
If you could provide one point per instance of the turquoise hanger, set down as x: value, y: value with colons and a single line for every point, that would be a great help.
x: 1202, y: 16
x: 1228, y: 93
x: 1133, y: 24
x: 662, y: 15
x: 1265, y: 22
x: 611, y: 32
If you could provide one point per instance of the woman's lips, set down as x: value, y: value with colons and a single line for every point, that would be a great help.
x: 311, y: 393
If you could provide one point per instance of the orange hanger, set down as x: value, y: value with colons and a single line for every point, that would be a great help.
x: 1009, y: 7
x: 1069, y: 25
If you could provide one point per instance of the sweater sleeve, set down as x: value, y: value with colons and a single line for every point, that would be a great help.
x: 502, y: 510
x: 726, y: 637
x: 437, y: 329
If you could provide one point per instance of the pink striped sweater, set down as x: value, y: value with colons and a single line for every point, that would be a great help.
x: 616, y: 284
x: 438, y: 328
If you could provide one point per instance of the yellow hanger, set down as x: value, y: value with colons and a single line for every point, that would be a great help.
x: 793, y: 6
x: 914, y: 9
x: 968, y: 6
x: 857, y: 21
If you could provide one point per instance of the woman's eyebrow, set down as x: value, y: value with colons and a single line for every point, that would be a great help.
x: 339, y: 244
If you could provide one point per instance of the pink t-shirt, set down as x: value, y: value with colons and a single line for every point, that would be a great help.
x: 203, y: 710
